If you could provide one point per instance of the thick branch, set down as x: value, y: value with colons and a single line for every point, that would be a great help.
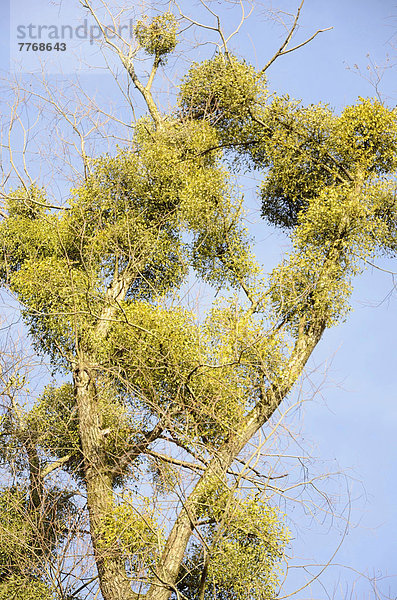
x: 55, y: 465
x: 115, y: 293
x: 36, y: 488
x: 128, y: 63
x: 175, y: 461
x: 214, y: 474
x: 138, y: 449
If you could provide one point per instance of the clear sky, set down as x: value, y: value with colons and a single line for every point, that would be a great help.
x: 350, y: 425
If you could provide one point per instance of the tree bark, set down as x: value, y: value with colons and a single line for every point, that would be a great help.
x: 114, y: 582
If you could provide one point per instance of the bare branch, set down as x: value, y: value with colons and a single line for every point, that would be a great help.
x: 282, y: 50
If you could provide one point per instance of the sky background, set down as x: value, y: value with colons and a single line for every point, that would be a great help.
x: 350, y: 424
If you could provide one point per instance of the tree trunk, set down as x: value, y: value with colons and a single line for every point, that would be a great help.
x: 113, y: 579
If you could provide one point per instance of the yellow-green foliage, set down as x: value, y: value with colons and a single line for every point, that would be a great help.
x: 296, y: 148
x: 382, y: 200
x: 99, y: 283
x: 19, y: 550
x: 53, y: 422
x: 16, y: 532
x: 133, y: 526
x: 44, y: 286
x: 207, y: 375
x: 366, y: 136
x: 228, y: 93
x: 244, y: 543
x: 303, y: 149
x: 157, y: 37
x: 161, y: 351
x: 21, y: 588
x: 221, y: 89
x: 28, y: 233
x: 310, y: 150
x: 247, y: 546
x: 147, y: 212
x: 240, y: 341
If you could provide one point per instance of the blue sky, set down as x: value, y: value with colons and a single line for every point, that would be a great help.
x: 351, y: 424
